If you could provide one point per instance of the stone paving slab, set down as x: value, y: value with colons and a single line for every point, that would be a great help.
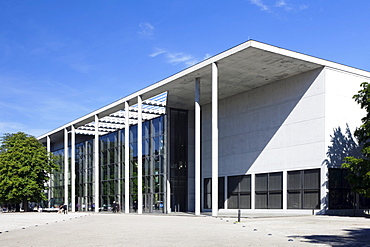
x: 167, y: 230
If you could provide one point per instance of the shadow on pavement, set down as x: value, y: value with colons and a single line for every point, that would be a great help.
x: 350, y: 237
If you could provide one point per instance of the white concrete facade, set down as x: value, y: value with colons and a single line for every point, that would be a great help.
x: 283, y: 126
x: 253, y: 109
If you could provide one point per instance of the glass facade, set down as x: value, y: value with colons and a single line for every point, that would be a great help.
x: 112, y: 171
x: 179, y: 159
x: 57, y: 181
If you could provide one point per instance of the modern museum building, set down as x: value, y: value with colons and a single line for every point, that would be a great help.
x: 257, y: 128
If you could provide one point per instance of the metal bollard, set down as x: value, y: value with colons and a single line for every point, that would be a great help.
x: 238, y: 215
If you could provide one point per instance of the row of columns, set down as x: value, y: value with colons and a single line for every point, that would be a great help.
x: 96, y: 161
x: 140, y: 171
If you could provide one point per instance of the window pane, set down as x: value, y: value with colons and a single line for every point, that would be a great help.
x: 311, y: 199
x: 245, y: 183
x: 261, y: 200
x: 207, y: 185
x: 312, y: 179
x: 275, y: 200
x: 335, y: 177
x: 221, y: 192
x: 232, y: 202
x: 294, y: 180
x: 232, y: 184
x: 207, y: 193
x: 276, y: 181
x: 294, y: 200
x: 261, y: 182
x: 245, y: 201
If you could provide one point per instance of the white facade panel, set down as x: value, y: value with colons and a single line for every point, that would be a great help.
x: 340, y: 108
x: 276, y: 127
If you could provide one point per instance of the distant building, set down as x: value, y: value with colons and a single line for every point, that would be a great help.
x: 256, y: 127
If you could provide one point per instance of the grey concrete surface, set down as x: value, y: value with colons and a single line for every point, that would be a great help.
x: 78, y: 229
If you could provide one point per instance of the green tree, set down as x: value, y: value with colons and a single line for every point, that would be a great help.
x: 25, y: 166
x: 359, y: 168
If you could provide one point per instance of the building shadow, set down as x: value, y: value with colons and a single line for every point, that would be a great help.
x: 342, y: 201
x: 350, y: 237
x: 342, y: 145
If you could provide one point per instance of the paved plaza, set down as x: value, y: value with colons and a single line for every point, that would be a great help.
x: 84, y: 229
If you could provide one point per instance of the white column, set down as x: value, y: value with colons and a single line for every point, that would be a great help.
x: 96, y: 164
x: 214, y: 139
x: 285, y: 190
x: 197, y: 146
x: 48, y: 148
x: 119, y: 174
x: 253, y: 191
x: 73, y: 168
x: 139, y: 157
x: 66, y: 167
x: 127, y: 158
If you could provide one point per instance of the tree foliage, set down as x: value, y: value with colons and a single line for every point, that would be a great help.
x: 25, y: 166
x: 359, y: 168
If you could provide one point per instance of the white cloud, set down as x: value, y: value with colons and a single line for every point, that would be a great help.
x: 260, y: 4
x: 157, y: 52
x: 175, y: 58
x: 279, y: 4
x: 146, y: 29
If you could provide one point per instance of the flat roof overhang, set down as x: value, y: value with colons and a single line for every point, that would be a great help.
x: 244, y: 67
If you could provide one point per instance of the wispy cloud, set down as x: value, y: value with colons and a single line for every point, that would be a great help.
x: 146, y: 29
x: 286, y: 5
x: 157, y: 52
x: 260, y: 4
x: 175, y: 58
x: 280, y: 3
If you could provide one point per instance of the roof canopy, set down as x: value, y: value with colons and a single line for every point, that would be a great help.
x: 244, y: 67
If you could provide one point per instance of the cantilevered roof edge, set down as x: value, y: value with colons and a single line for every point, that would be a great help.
x: 251, y: 43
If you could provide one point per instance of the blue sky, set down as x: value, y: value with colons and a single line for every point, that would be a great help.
x: 60, y: 60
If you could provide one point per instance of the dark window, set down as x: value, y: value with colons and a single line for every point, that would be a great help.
x: 304, y: 189
x: 340, y: 194
x: 239, y: 192
x: 269, y: 190
x: 208, y: 193
x: 178, y: 158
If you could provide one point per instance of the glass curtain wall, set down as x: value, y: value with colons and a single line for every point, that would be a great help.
x: 178, y: 159
x: 154, y: 166
x: 112, y: 171
x: 111, y: 166
x: 57, y: 181
x: 84, y: 176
